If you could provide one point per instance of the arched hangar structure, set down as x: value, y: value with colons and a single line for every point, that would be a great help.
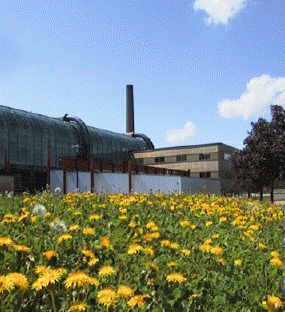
x: 28, y: 140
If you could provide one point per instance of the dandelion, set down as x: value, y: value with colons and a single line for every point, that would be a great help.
x: 275, y: 254
x: 93, y: 261
x: 276, y: 262
x: 208, y: 223
x: 59, y: 226
x: 193, y: 226
x: 106, y: 296
x: 73, y: 227
x: 134, y: 248
x: 64, y: 237
x: 79, y: 279
x: 223, y: 219
x: 238, y: 262
x: 221, y: 260
x: 155, y: 235
x: 5, y: 241
x: 152, y: 266
x: 106, y: 270
x: 105, y: 241
x: 123, y: 217
x: 88, y: 231
x: 216, y: 250
x: 272, y: 304
x: 149, y: 251
x: 50, y: 254
x: 261, y: 246
x: 172, y: 263
x: 39, y: 210
x: 79, y: 306
x: 5, y: 284
x: 137, y: 300
x: 194, y: 296
x: 176, y: 278
x: 22, y: 248
x: 18, y: 279
x: 50, y: 276
x: 185, y: 252
x: 165, y: 242
x: 174, y: 245
x: 88, y: 253
x: 133, y: 224
x: 205, y: 247
x: 9, y: 218
x: 184, y: 223
x: 94, y: 217
x: 125, y: 291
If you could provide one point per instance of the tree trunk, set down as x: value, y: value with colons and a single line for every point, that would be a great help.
x: 249, y: 194
x: 271, y: 191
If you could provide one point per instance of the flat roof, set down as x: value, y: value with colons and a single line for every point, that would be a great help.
x: 185, y: 146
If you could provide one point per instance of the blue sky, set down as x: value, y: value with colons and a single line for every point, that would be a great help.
x: 202, y: 70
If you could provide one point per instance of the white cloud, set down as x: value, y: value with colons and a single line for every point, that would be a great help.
x: 220, y: 11
x: 260, y: 93
x: 180, y: 135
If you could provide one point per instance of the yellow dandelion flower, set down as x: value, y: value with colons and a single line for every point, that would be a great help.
x: 106, y: 296
x: 123, y: 217
x: 18, y: 279
x: 154, y: 228
x: 50, y: 254
x: 272, y: 304
x: 165, y: 242
x: 261, y: 246
x: 208, y: 241
x: 205, y: 247
x: 33, y: 218
x: 77, y: 213
x: 133, y: 224
x: 194, y: 296
x: 137, y: 300
x: 208, y: 223
x: 64, y: 237
x: 185, y: 252
x: 149, y: 251
x: 93, y: 261
x: 174, y: 245
x: 25, y: 200
x: 176, y: 278
x: 223, y: 219
x: 125, y: 291
x: 5, y: 284
x: 50, y: 276
x: 79, y: 279
x: 5, y: 241
x: 134, y: 248
x: 123, y: 210
x: 193, y: 226
x: 23, y: 216
x: 155, y: 235
x: 9, y: 218
x: 147, y: 237
x: 22, y: 248
x: 217, y: 235
x: 95, y: 216
x: 88, y: 253
x: 238, y: 262
x: 106, y: 270
x: 276, y: 262
x: 152, y: 266
x: 105, y: 241
x: 79, y: 306
x: 184, y: 223
x: 150, y: 225
x: 275, y: 254
x: 88, y: 230
x: 172, y: 263
x: 217, y: 250
x: 73, y: 227
x: 41, y: 269
x: 221, y: 260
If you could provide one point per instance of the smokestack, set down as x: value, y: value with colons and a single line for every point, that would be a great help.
x: 130, y: 109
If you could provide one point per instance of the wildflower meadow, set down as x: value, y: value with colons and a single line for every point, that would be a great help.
x: 140, y: 252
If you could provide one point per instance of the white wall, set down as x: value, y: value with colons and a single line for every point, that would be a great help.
x: 141, y: 183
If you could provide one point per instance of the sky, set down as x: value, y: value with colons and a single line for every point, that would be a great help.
x: 202, y: 70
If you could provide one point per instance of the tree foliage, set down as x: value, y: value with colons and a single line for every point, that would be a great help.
x: 261, y: 162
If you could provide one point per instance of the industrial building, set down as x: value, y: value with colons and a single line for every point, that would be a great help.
x: 204, y: 161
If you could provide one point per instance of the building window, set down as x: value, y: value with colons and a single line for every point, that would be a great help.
x: 205, y: 174
x: 159, y: 159
x: 181, y: 158
x: 204, y: 156
x: 227, y: 156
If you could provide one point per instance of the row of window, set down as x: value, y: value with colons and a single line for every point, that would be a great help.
x: 181, y: 158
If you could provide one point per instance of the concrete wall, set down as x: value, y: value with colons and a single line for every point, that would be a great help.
x: 141, y: 183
